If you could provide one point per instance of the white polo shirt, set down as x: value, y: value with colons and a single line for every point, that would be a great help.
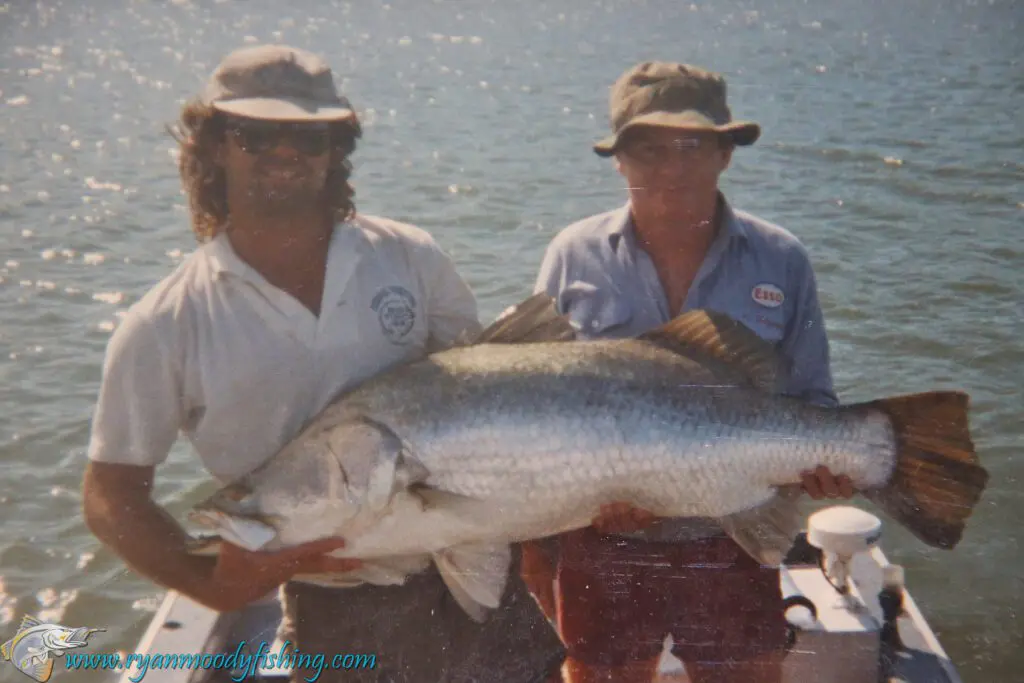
x: 216, y: 352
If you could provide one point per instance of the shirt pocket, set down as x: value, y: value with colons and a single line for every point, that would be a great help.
x: 593, y: 312
x: 768, y: 323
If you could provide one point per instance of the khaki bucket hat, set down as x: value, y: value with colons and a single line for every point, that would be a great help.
x: 672, y: 95
x: 276, y: 82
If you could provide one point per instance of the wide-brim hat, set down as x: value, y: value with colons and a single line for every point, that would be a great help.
x: 672, y: 95
x: 276, y: 82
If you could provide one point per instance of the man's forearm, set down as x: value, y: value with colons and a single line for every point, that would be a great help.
x: 152, y: 543
x: 120, y: 512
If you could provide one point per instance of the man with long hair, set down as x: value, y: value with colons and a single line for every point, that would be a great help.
x: 618, y: 588
x: 291, y: 298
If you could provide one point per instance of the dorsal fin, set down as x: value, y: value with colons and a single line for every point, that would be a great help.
x: 28, y: 622
x: 715, y: 337
x: 534, y: 320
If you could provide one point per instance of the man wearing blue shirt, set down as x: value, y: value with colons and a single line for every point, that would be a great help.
x: 675, y: 246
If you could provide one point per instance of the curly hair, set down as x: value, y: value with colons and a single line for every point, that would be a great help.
x: 201, y: 129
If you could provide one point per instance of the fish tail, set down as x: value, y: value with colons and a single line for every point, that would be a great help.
x: 938, y: 478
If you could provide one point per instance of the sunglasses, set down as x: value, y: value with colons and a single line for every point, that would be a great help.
x: 656, y: 153
x: 256, y: 137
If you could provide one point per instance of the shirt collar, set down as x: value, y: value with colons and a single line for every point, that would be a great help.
x: 347, y: 241
x: 222, y: 258
x: 620, y: 225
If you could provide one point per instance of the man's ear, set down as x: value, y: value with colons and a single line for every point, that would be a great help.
x: 726, y: 150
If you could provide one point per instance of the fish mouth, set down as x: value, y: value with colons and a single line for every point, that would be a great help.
x: 80, y: 636
x: 206, y: 545
x: 234, y: 499
x: 252, y: 532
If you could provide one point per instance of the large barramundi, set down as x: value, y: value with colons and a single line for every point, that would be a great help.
x: 527, y: 432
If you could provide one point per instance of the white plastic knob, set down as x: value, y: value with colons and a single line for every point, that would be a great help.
x: 843, y: 530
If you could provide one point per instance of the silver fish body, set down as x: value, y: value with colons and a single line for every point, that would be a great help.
x: 535, y: 439
x: 468, y: 450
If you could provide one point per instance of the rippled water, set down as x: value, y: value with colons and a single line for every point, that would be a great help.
x: 892, y: 147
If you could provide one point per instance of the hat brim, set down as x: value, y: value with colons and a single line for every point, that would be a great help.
x: 284, y: 109
x: 743, y: 133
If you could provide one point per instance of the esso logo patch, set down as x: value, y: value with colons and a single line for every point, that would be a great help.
x: 767, y: 295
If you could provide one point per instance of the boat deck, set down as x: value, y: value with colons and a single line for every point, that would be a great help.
x: 838, y: 647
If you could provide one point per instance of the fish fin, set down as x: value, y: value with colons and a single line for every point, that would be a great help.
x: 28, y: 622
x: 410, y: 471
x: 534, y: 320
x: 368, y: 572
x: 393, y: 469
x: 392, y: 477
x: 386, y: 476
x: 767, y: 532
x: 938, y: 478
x: 328, y: 580
x: 476, y: 574
x: 729, y: 344
x: 7, y: 649
x: 42, y: 672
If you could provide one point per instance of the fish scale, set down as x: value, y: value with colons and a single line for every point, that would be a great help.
x: 691, y: 438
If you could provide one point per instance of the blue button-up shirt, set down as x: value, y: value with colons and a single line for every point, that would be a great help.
x: 755, y: 272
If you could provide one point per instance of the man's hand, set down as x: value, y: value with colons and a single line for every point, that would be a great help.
x: 242, y: 576
x: 820, y: 483
x: 622, y: 518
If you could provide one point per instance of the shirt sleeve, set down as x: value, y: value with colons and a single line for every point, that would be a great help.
x: 551, y: 276
x: 139, y: 410
x: 451, y: 306
x: 806, y: 343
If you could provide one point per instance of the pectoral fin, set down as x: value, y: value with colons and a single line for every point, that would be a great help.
x: 368, y: 573
x: 390, y: 470
x: 767, y: 532
x: 476, y: 575
x: 42, y: 672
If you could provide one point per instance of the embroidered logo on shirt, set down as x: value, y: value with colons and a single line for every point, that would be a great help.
x: 767, y: 295
x: 396, y: 311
